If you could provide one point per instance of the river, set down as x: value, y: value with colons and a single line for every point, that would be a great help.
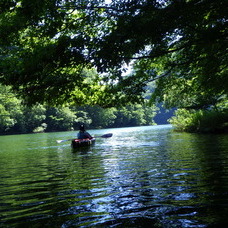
x: 141, y: 177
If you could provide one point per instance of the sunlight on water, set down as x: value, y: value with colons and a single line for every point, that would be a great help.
x: 141, y: 177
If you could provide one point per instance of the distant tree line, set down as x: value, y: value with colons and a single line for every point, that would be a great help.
x: 16, y: 117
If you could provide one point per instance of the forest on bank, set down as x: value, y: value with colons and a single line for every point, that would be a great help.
x: 77, y: 54
x: 16, y: 117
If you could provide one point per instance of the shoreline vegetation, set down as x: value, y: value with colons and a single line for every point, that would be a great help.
x: 190, y: 121
x: 17, y: 118
x: 39, y: 118
x: 200, y: 121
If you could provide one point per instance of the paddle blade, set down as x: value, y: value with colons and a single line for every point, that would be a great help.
x: 60, y: 141
x: 108, y: 135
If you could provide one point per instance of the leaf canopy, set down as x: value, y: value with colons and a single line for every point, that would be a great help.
x: 47, y: 46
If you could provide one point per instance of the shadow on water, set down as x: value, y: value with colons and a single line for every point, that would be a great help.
x: 141, y: 177
x: 200, y: 165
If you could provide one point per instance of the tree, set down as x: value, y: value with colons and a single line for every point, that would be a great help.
x: 42, y: 50
x: 82, y: 117
x: 10, y: 109
x: 60, y: 119
x: 100, y: 117
x: 5, y: 120
x: 134, y: 115
x: 45, y: 48
x: 179, y: 44
x: 16, y: 117
x: 34, y: 117
x: 29, y: 119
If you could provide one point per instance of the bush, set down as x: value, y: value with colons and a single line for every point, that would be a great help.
x: 205, y: 121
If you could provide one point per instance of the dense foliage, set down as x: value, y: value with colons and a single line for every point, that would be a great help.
x: 45, y: 47
x: 74, y: 52
x: 206, y: 121
x: 16, y: 117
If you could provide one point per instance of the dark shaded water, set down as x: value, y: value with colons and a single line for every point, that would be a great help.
x: 141, y: 177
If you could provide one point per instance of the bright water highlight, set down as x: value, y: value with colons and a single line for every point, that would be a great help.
x: 141, y: 177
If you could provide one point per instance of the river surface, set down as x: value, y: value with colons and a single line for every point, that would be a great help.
x: 141, y: 177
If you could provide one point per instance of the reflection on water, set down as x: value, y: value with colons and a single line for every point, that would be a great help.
x: 141, y: 177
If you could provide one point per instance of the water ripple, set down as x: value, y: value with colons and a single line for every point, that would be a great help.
x: 153, y: 178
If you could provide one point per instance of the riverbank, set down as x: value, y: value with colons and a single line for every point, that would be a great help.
x: 200, y: 121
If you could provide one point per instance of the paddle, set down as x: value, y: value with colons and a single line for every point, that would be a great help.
x: 60, y: 141
x: 108, y: 135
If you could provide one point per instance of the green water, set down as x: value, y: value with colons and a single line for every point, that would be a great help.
x: 141, y: 177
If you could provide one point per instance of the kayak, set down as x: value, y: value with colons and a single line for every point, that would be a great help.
x: 76, y: 143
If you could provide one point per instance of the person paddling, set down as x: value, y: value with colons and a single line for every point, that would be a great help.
x: 83, y: 134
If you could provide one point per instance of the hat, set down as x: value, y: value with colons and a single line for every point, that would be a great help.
x: 82, y: 127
